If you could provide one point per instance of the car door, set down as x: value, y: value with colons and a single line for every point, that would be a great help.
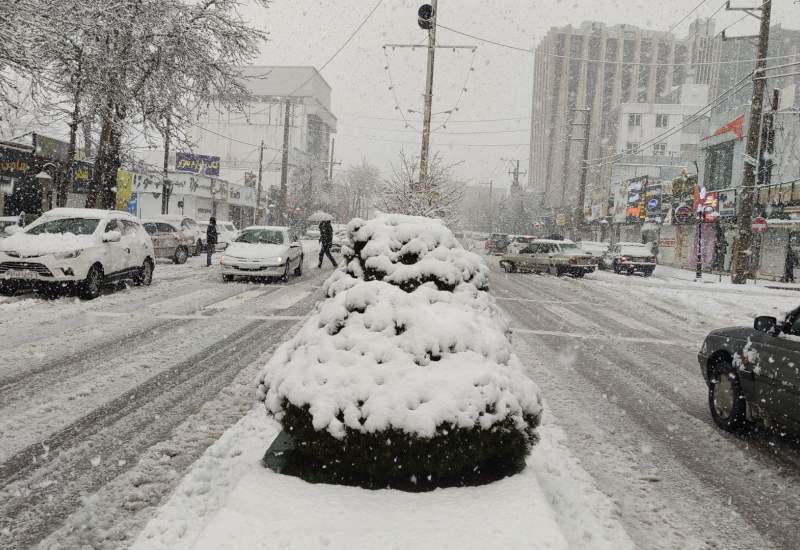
x: 777, y: 370
x: 169, y: 239
x: 155, y: 237
x: 525, y: 257
x: 137, y: 243
x: 115, y: 255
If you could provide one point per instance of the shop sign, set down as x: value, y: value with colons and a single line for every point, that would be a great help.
x: 667, y: 243
x: 197, y: 164
x: 13, y: 163
x: 635, y: 211
x: 727, y: 204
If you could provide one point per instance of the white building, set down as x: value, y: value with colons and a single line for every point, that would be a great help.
x: 235, y: 136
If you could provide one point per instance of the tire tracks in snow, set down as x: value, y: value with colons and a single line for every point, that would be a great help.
x: 106, y: 442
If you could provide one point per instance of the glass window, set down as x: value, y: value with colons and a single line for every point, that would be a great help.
x: 634, y: 119
x: 660, y: 149
x: 261, y: 236
x: 76, y: 226
x: 112, y: 225
x: 129, y: 227
x: 165, y: 228
x: 151, y: 228
x: 632, y: 147
x: 662, y: 121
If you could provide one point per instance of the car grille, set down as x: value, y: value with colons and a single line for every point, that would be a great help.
x: 26, y: 266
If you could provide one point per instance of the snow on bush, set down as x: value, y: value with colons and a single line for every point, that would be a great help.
x: 406, y: 369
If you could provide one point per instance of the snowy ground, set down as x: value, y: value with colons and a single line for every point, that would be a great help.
x: 106, y: 405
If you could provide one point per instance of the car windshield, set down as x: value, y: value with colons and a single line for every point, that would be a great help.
x: 75, y: 226
x: 261, y: 236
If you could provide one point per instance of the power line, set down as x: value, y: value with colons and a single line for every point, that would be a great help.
x: 510, y: 47
x: 685, y: 17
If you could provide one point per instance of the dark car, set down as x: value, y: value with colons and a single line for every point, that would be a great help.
x: 497, y: 243
x: 753, y: 374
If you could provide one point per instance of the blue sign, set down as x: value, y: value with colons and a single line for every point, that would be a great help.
x: 132, y: 204
x: 197, y: 164
x: 652, y: 204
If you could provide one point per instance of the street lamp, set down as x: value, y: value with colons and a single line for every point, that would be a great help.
x: 45, y: 180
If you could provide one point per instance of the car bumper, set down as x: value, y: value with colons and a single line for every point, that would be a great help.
x: 637, y: 266
x: 42, y: 271
x: 253, y: 270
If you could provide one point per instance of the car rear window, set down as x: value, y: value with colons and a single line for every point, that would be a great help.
x: 631, y: 250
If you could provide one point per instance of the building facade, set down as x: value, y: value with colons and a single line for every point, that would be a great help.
x: 599, y: 68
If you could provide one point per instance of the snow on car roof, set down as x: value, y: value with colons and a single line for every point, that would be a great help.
x: 86, y: 213
x: 272, y: 227
x: 553, y: 241
x: 159, y: 220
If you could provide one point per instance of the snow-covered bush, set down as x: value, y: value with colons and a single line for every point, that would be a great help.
x: 405, y: 373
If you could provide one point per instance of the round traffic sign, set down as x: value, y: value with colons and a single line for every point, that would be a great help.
x: 683, y: 214
x: 759, y: 225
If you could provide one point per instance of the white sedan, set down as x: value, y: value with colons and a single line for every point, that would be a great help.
x: 262, y: 251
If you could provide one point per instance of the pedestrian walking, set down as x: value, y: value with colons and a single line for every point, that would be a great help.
x: 791, y: 261
x: 211, y: 239
x: 325, y: 243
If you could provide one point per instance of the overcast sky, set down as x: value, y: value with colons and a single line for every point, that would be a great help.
x: 308, y: 32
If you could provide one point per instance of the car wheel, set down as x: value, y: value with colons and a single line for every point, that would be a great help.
x: 579, y: 274
x: 198, y: 248
x: 227, y: 278
x: 181, y: 255
x: 554, y: 271
x: 726, y: 400
x: 298, y: 271
x: 145, y: 275
x: 647, y: 272
x: 7, y: 288
x: 90, y: 287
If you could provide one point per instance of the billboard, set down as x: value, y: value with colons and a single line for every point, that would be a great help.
x: 197, y: 164
x: 635, y: 210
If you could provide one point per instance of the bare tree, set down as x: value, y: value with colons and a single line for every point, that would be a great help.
x: 400, y: 193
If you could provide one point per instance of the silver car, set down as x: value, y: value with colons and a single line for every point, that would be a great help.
x: 551, y: 256
x: 169, y: 240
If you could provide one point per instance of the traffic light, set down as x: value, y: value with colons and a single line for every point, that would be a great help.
x: 425, y: 17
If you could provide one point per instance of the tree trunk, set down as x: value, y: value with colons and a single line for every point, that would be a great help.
x: 67, y: 179
x: 102, y: 192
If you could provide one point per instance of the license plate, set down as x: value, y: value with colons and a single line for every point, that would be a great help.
x: 21, y: 274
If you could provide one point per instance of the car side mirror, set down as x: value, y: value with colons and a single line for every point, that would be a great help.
x: 765, y: 323
x: 112, y: 237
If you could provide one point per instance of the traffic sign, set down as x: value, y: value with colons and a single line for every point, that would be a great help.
x: 683, y: 214
x: 759, y: 225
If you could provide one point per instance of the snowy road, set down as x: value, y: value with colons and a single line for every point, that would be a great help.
x: 104, y: 404
x: 616, y: 359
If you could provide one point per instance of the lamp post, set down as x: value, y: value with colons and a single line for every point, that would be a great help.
x: 45, y: 180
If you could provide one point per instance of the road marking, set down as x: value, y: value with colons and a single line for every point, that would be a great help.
x: 575, y: 320
x: 284, y: 299
x: 627, y: 321
x: 531, y: 301
x: 606, y: 337
x: 178, y: 317
x: 236, y: 300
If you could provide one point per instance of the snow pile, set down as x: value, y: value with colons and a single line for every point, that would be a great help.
x: 407, y: 251
x: 408, y: 344
x: 29, y: 245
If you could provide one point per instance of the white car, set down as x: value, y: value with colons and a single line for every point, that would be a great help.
x: 77, y: 247
x: 226, y: 233
x: 10, y: 221
x: 190, y: 228
x: 263, y: 251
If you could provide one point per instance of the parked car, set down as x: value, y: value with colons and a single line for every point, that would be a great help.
x: 77, y: 247
x: 226, y: 233
x: 169, y: 240
x: 497, y: 243
x: 9, y: 221
x: 554, y: 257
x: 263, y: 251
x: 190, y: 227
x: 518, y: 242
x: 752, y: 373
x: 630, y: 258
x: 594, y: 248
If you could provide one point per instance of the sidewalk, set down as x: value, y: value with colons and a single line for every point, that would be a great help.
x: 686, y: 274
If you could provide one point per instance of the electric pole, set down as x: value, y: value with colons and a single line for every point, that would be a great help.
x: 584, y: 165
x: 744, y: 218
x: 281, y: 207
x: 256, y: 214
x: 166, y: 188
x: 430, y: 23
x: 330, y: 168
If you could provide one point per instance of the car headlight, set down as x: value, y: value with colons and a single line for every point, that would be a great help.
x: 67, y: 255
x: 274, y: 261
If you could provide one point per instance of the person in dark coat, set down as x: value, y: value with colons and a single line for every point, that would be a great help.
x: 325, y: 242
x: 211, y: 239
x: 791, y: 261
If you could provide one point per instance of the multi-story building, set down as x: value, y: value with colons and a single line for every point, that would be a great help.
x: 598, y: 67
x: 297, y: 95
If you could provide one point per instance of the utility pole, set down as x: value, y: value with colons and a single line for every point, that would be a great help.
x: 744, y: 219
x: 567, y: 151
x: 256, y: 214
x: 330, y: 168
x: 584, y: 165
x: 426, y: 117
x: 281, y: 207
x: 166, y: 187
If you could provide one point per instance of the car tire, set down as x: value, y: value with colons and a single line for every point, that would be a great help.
x: 181, y: 255
x: 554, y: 271
x: 725, y: 398
x: 579, y: 274
x: 647, y: 272
x: 145, y: 275
x: 7, y: 288
x: 298, y: 271
x: 227, y: 278
x: 89, y: 288
x: 198, y: 248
